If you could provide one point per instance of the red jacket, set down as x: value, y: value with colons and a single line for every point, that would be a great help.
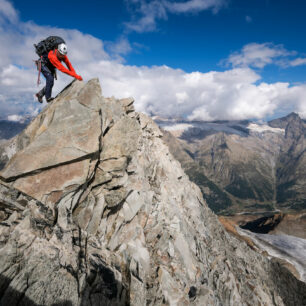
x: 57, y: 63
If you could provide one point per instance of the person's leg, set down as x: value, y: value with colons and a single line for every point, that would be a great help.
x: 40, y: 95
x: 42, y: 92
x: 49, y: 82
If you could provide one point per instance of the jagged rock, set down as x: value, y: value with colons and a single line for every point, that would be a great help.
x: 108, y: 217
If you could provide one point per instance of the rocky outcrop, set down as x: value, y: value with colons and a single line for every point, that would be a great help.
x: 95, y: 211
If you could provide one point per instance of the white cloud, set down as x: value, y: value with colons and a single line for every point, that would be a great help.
x: 181, y: 97
x: 146, y: 13
x: 7, y: 12
x: 297, y: 62
x: 194, y: 5
x: 258, y: 55
x: 119, y: 48
x: 232, y: 94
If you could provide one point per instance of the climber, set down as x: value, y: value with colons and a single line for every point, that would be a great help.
x: 48, y: 63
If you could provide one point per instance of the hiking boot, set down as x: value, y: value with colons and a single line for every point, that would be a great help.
x: 39, y: 97
x: 49, y: 99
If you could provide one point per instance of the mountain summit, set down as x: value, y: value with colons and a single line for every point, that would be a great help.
x: 283, y: 122
x: 95, y: 211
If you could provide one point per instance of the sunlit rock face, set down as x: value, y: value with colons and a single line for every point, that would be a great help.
x: 94, y: 210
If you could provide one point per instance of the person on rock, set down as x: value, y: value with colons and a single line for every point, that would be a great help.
x: 49, y: 63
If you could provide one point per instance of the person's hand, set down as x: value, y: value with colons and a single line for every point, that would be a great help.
x: 78, y: 77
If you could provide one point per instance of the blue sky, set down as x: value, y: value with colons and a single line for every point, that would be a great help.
x: 191, y: 41
x: 199, y: 59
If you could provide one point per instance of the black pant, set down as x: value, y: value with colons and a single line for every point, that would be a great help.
x: 49, y: 76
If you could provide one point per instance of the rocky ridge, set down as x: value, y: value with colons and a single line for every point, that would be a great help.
x: 94, y: 210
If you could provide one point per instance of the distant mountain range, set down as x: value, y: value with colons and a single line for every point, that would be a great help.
x: 243, y: 166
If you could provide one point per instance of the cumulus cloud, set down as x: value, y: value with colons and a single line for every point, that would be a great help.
x: 119, y: 48
x: 146, y: 13
x: 167, y: 92
x: 259, y: 55
x: 236, y: 93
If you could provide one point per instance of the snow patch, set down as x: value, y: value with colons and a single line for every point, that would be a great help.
x: 178, y: 127
x: 264, y: 128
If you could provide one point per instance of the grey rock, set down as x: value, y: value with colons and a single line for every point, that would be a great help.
x: 121, y: 224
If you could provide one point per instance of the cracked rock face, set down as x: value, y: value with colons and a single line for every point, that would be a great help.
x: 94, y: 210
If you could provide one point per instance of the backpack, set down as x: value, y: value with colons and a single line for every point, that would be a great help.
x: 48, y: 44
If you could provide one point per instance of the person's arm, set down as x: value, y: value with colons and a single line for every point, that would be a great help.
x: 68, y: 64
x: 57, y: 64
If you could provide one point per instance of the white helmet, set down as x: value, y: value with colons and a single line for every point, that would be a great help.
x: 62, y: 48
